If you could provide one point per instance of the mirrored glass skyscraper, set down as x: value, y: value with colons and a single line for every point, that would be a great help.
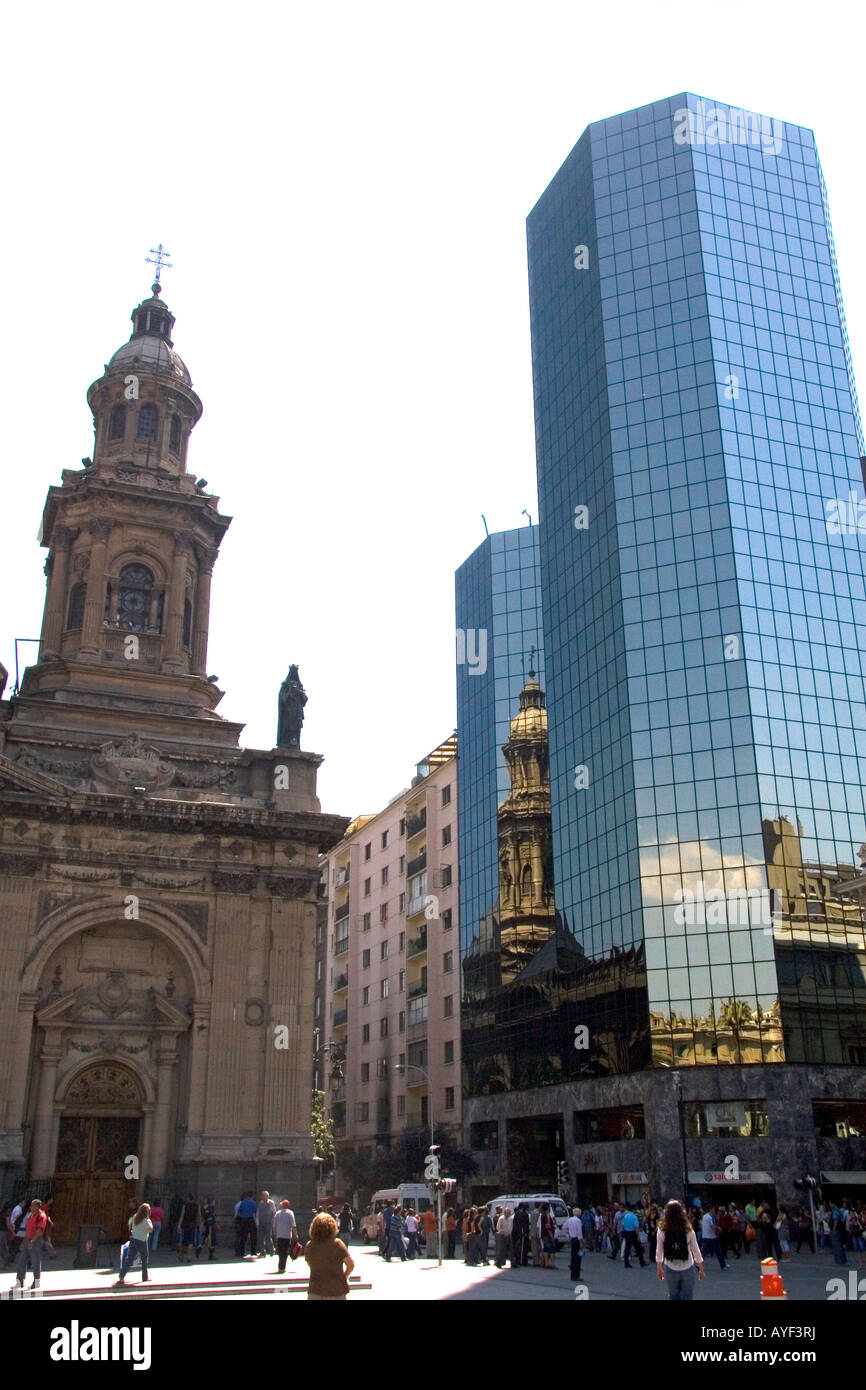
x: 699, y: 453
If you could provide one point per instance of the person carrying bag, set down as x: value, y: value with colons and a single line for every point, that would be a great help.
x: 36, y: 1229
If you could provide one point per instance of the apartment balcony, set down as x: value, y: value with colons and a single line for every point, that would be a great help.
x: 417, y: 945
x: 417, y: 864
x: 341, y: 946
x: 417, y: 905
x: 341, y: 982
x: 341, y: 1018
x: 416, y: 824
x: 342, y: 877
x: 341, y: 912
x: 417, y: 991
x: 339, y: 1131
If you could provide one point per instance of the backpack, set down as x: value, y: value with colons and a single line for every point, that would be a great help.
x: 676, y: 1245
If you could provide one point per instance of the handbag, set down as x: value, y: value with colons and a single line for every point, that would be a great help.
x: 296, y: 1250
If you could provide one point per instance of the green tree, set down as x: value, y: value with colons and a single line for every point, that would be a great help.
x: 322, y: 1127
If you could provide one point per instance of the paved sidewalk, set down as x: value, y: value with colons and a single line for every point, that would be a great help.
x: 805, y: 1278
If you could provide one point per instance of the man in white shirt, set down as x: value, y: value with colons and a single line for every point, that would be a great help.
x: 285, y: 1232
x: 504, y: 1250
x: 710, y: 1243
x: 574, y: 1229
x: 16, y: 1229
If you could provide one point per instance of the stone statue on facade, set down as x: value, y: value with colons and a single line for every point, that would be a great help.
x: 291, y: 711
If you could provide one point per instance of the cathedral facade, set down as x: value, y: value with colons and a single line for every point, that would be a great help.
x: 158, y: 882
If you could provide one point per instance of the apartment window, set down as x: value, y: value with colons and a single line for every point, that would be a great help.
x: 402, y: 907
x: 448, y: 962
x: 383, y: 913
x: 402, y: 945
x: 402, y: 827
x: 385, y: 875
x: 448, y: 1053
x: 402, y: 1061
x: 319, y: 970
x: 318, y: 1009
x: 402, y: 1022
x: 446, y: 835
x: 365, y: 1072
x: 446, y: 795
x: 365, y: 920
x: 401, y: 1105
x: 368, y: 850
x: 383, y: 1027
x: 449, y: 1097
x: 362, y: 1112
x: 366, y: 888
x: 365, y: 960
x: 402, y: 863
x: 365, y: 1033
x: 382, y: 1068
x: 446, y: 875
x: 386, y: 836
x: 402, y: 980
x: 448, y: 1006
x: 446, y: 919
x: 318, y: 936
x: 384, y: 989
x: 383, y: 951
x: 365, y: 995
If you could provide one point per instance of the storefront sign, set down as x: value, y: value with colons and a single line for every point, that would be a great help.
x: 701, y: 1177
x: 628, y: 1179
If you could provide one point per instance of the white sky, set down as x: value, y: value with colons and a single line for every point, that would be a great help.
x: 343, y: 189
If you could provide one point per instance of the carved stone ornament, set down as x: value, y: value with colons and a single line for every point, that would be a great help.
x: 234, y: 883
x: 104, y: 1085
x: 292, y: 887
x: 81, y: 563
x: 132, y: 761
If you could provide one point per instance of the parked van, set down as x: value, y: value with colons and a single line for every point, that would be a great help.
x: 416, y: 1195
x: 558, y: 1210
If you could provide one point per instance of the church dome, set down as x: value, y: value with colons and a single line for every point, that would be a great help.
x: 150, y: 348
x: 531, y: 722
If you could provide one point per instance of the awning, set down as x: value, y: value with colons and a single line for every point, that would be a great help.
x: 851, y: 1175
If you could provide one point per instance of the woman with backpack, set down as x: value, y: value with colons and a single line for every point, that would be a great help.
x: 677, y: 1253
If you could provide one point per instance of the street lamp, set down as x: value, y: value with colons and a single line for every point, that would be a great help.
x: 404, y: 1066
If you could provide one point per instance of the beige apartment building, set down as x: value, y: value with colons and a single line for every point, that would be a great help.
x: 388, y: 997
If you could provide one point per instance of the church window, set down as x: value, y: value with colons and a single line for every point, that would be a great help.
x: 117, y: 426
x: 174, y: 434
x: 160, y: 609
x: 147, y: 421
x: 75, y: 615
x: 106, y: 612
x: 133, y: 606
x: 187, y: 621
x: 526, y: 882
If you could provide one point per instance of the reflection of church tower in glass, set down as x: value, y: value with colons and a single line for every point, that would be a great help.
x: 526, y: 906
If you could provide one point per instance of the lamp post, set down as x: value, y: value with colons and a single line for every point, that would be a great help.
x: 404, y: 1066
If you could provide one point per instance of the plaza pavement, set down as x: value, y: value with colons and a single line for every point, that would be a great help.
x: 422, y: 1280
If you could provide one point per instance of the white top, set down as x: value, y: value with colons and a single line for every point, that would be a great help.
x: 284, y: 1222
x: 708, y: 1226
x: 142, y: 1230
x: 411, y: 1224
x: 695, y: 1257
x: 18, y: 1219
x: 504, y: 1225
x: 574, y: 1226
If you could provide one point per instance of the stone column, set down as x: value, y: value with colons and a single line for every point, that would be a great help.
x: 201, y: 615
x: 162, y: 1147
x: 41, y: 1153
x: 173, y: 654
x: 94, y: 607
x: 57, y: 569
x: 199, y: 1042
x: 20, y: 1060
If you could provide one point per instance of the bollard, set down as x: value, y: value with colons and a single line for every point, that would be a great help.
x: 771, y: 1280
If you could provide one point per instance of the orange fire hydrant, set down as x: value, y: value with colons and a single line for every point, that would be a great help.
x: 771, y: 1280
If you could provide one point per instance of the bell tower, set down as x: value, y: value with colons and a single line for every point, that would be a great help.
x: 132, y: 539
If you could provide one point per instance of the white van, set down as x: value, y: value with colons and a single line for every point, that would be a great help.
x: 416, y: 1195
x: 558, y: 1210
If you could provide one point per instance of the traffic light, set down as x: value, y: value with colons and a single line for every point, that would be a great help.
x: 442, y: 1184
x: 562, y: 1173
x: 806, y: 1184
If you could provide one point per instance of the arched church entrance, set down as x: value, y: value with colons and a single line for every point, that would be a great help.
x: 100, y: 1132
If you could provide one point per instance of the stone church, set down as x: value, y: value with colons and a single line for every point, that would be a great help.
x: 158, y: 882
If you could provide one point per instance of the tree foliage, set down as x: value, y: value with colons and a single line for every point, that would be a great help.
x: 322, y: 1127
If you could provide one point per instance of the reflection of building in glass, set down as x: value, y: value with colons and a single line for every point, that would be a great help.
x: 695, y: 412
